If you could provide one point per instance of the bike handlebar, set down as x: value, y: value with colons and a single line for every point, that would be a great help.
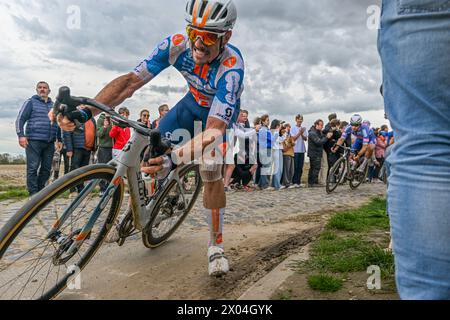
x: 340, y: 146
x: 65, y: 103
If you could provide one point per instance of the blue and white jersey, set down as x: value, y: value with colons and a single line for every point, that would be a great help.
x: 364, y: 135
x: 217, y: 85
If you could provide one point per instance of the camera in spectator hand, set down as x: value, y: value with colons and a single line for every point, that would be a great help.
x: 107, y: 121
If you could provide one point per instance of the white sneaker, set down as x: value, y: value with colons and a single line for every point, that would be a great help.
x: 113, y: 235
x: 217, y: 262
x: 270, y: 189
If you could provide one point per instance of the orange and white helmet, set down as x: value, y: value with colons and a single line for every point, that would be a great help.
x: 217, y: 15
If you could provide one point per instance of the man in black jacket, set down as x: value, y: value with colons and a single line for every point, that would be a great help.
x: 332, y: 126
x: 315, y: 151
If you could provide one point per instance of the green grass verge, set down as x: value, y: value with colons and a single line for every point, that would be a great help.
x: 371, y: 216
x: 349, y: 254
x: 347, y: 245
x: 4, y: 188
x: 324, y: 283
x: 7, y: 185
x: 17, y: 193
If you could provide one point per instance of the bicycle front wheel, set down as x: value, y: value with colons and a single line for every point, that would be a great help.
x: 35, y: 257
x: 337, y: 172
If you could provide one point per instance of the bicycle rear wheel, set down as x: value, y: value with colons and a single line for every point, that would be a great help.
x: 35, y: 260
x: 358, y: 177
x: 171, y: 209
x: 337, y: 172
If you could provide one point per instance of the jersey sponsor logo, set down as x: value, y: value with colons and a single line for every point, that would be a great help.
x: 229, y: 112
x: 177, y: 39
x: 201, y: 99
x: 163, y: 46
x: 198, y: 84
x: 142, y: 72
x: 230, y: 62
x: 153, y: 54
x: 222, y: 110
x: 223, y: 117
x: 232, y: 79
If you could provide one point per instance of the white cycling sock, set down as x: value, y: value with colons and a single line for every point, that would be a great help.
x: 215, y: 223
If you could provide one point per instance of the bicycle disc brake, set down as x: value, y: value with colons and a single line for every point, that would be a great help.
x: 61, y: 255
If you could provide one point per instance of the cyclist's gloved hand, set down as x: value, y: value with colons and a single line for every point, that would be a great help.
x: 81, y: 115
x: 159, y: 167
x: 71, y: 120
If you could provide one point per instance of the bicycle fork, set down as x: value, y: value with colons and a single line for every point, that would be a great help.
x: 73, y: 245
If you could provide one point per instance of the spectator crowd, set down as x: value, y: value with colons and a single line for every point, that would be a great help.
x: 46, y: 145
x: 269, y: 155
x: 281, y: 149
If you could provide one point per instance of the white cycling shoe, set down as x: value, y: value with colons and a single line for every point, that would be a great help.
x: 217, y: 262
x: 113, y: 235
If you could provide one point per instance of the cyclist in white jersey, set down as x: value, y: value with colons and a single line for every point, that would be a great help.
x: 214, y: 70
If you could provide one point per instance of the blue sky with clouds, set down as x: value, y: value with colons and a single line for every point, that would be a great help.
x: 308, y: 57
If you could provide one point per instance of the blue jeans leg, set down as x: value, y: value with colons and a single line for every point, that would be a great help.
x: 276, y: 178
x: 266, y: 163
x: 299, y: 161
x: 46, y: 164
x: 414, y: 44
x: 33, y: 154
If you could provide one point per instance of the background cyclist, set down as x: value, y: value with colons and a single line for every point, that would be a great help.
x: 365, y: 142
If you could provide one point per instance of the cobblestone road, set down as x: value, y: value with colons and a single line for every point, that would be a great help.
x: 273, y: 206
x: 264, y: 206
x: 253, y: 223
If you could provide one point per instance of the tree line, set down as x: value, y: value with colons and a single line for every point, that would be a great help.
x: 6, y: 158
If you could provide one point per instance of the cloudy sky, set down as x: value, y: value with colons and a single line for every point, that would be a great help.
x: 311, y: 57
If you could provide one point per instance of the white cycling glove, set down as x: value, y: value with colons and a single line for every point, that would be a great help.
x: 166, y: 168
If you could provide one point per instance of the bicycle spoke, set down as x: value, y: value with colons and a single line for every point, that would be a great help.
x: 29, y: 268
x: 32, y: 266
x: 43, y: 289
x: 23, y: 255
x: 26, y: 261
x: 25, y: 285
x: 31, y: 275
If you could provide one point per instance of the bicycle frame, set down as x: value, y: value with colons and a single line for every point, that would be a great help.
x: 127, y: 166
